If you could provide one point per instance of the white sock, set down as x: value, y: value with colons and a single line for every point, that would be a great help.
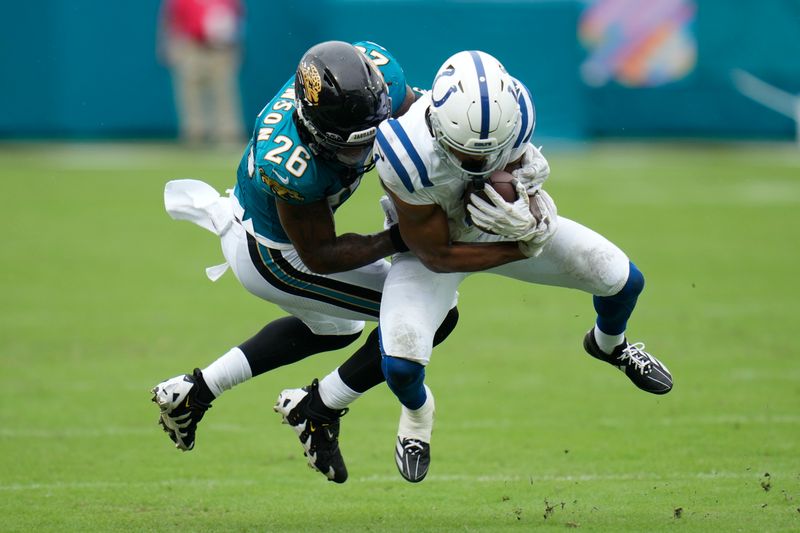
x: 418, y: 424
x: 227, y: 372
x: 334, y: 393
x: 607, y: 343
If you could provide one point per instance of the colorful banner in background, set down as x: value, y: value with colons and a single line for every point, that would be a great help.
x: 638, y: 43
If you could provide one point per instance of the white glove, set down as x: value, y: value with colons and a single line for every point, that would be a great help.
x: 547, y: 215
x: 530, y: 249
x: 534, y: 170
x: 390, y: 223
x: 389, y: 212
x: 510, y: 220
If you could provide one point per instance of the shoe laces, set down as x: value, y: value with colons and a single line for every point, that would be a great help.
x: 413, y: 447
x: 635, y: 354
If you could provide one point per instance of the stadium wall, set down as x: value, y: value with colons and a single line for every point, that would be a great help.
x: 88, y: 69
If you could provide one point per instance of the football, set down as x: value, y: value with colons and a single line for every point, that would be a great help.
x: 500, y: 181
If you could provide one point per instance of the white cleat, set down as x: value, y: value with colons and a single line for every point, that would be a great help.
x: 181, y: 410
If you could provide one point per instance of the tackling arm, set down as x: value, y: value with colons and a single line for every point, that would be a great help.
x: 410, y: 98
x: 312, y: 231
x: 425, y: 230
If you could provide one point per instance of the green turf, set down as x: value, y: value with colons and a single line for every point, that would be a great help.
x: 103, y: 296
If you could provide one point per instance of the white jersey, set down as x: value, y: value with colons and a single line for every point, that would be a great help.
x: 415, y: 299
x: 409, y: 164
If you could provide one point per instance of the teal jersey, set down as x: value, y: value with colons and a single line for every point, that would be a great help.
x: 392, y: 72
x: 277, y: 163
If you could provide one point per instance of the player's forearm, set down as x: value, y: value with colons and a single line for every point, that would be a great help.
x: 468, y: 257
x: 349, y: 251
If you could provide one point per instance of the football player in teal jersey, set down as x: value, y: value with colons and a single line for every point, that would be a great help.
x: 317, y: 150
x: 310, y: 147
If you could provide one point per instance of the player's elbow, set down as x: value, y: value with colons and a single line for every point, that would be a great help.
x: 318, y: 263
x: 435, y: 262
x: 322, y: 268
x: 437, y: 268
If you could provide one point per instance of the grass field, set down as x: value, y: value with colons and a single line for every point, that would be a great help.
x: 103, y: 296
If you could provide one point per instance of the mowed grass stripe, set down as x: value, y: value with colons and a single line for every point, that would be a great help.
x: 104, y: 296
x: 112, y: 432
x: 441, y: 478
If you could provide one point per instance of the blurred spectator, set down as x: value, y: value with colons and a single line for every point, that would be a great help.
x: 200, y: 42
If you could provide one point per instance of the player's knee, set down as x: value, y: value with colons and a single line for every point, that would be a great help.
x: 634, y: 285
x: 402, y: 374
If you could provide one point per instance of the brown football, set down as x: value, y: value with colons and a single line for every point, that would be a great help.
x: 500, y: 181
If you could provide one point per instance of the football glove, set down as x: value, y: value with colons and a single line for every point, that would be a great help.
x: 547, y: 215
x: 534, y: 170
x: 389, y: 212
x: 530, y: 249
x: 390, y: 223
x: 512, y: 220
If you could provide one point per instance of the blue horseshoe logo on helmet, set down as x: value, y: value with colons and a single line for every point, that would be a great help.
x: 451, y: 90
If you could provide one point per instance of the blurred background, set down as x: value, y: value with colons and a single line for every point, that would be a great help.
x: 87, y: 69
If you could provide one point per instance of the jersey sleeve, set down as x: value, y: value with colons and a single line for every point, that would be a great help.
x: 391, y: 179
x: 399, y: 165
x: 392, y: 72
x: 527, y: 121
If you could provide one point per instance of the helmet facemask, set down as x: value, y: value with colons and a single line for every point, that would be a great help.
x: 355, y: 152
x: 469, y: 161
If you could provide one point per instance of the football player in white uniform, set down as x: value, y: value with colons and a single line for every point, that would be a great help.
x: 477, y: 119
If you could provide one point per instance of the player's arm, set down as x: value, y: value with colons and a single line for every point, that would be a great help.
x: 312, y: 231
x: 410, y: 98
x: 425, y: 231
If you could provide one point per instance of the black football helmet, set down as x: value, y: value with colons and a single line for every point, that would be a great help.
x: 340, y: 100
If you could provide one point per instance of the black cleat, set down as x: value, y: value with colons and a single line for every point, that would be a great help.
x: 644, y: 370
x: 413, y: 459
x: 181, y: 408
x: 318, y: 432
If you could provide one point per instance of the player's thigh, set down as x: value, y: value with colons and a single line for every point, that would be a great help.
x: 576, y: 257
x: 328, y: 304
x: 415, y: 301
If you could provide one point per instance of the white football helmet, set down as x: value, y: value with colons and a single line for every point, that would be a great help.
x: 474, y: 114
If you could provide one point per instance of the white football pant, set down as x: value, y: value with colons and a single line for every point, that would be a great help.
x: 416, y: 300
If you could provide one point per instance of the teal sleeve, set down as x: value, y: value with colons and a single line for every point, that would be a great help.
x: 390, y: 68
